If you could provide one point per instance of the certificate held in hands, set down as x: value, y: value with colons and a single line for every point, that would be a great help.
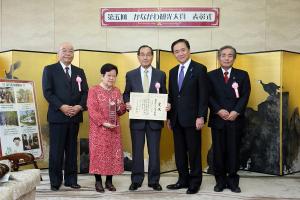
x: 148, y: 106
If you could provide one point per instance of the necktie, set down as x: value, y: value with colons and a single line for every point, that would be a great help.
x: 226, y: 77
x: 181, y: 77
x: 146, y: 82
x: 67, y: 73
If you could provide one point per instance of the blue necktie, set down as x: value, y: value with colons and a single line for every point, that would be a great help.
x: 181, y: 77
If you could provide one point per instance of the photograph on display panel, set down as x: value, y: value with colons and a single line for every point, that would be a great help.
x: 19, y: 128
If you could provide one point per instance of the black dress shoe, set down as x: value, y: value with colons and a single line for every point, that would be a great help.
x: 219, y: 188
x: 176, y: 186
x: 99, y: 187
x: 110, y: 186
x: 54, y: 188
x: 134, y: 186
x: 74, y: 186
x: 192, y: 190
x: 155, y: 186
x: 236, y: 189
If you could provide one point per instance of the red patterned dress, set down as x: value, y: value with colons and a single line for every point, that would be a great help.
x: 106, y: 153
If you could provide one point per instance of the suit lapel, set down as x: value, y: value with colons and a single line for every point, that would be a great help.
x: 62, y: 73
x: 220, y: 76
x: 232, y: 76
x: 175, y: 78
x: 137, y: 77
x: 73, y: 77
x: 152, y: 86
x: 221, y: 81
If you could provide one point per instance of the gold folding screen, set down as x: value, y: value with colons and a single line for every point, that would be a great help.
x: 278, y: 67
x: 290, y: 75
x: 25, y: 65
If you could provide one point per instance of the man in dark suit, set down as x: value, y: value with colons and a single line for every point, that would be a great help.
x: 143, y: 79
x: 65, y: 88
x: 188, y: 97
x: 229, y: 94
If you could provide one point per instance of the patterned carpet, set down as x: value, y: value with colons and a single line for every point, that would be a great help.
x: 254, y: 187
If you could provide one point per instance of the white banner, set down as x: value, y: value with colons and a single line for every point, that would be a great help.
x: 170, y: 17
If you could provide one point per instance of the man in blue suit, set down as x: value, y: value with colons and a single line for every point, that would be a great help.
x: 143, y: 79
x: 188, y: 97
x: 228, y: 98
x: 65, y: 88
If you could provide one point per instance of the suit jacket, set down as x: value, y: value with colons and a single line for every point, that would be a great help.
x: 134, y: 84
x: 191, y: 101
x: 58, y: 90
x: 222, y: 96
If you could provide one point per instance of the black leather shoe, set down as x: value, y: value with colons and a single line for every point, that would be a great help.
x: 134, y: 186
x: 54, y: 188
x: 74, y: 186
x: 219, y: 188
x: 176, y: 186
x: 110, y: 186
x: 155, y: 186
x: 236, y: 189
x: 99, y: 187
x: 192, y: 190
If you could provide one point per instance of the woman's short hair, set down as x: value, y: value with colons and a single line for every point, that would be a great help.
x: 107, y: 68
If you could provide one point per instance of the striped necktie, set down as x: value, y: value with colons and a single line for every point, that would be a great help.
x: 67, y: 73
x: 181, y: 77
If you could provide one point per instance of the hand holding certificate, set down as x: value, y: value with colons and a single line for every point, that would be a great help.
x: 148, y: 106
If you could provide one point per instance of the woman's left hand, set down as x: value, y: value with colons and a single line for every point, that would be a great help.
x: 119, y: 102
x: 109, y: 125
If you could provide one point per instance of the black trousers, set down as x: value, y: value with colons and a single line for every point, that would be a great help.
x: 226, y: 146
x: 63, y: 152
x: 153, y: 144
x: 187, y: 144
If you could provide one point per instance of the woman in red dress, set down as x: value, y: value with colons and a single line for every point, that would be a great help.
x: 105, y: 105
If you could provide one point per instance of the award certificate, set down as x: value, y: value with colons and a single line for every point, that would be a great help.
x: 148, y: 106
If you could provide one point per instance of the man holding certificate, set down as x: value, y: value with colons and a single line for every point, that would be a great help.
x: 145, y: 79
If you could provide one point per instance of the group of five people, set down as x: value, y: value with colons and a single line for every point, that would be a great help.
x: 191, y: 91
